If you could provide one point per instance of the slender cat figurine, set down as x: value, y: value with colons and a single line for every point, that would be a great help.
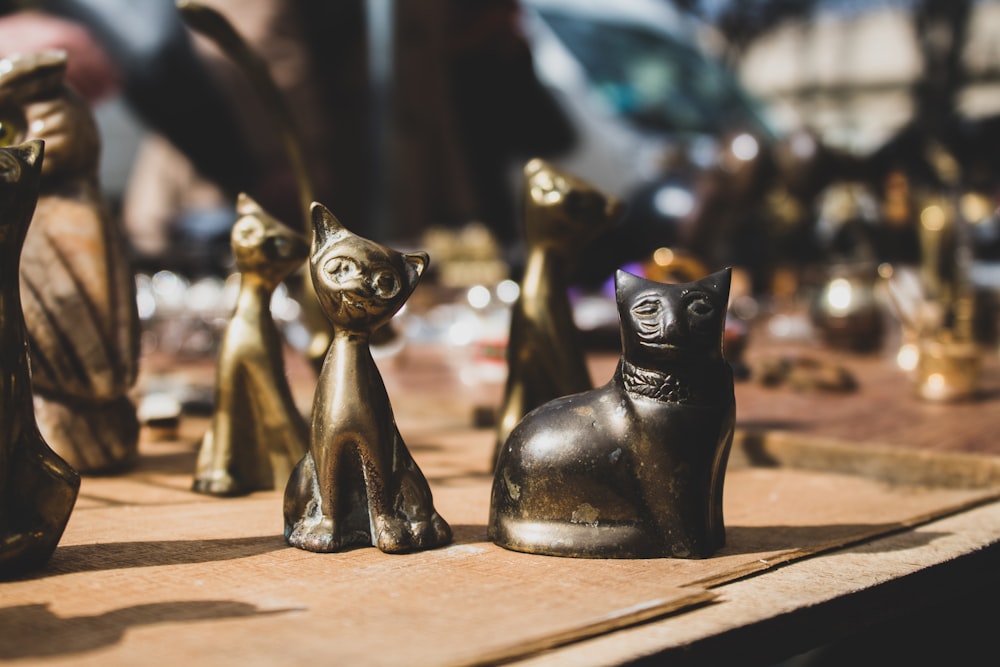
x: 37, y: 488
x: 635, y: 468
x: 545, y: 359
x: 77, y: 287
x: 358, y: 484
x: 257, y: 434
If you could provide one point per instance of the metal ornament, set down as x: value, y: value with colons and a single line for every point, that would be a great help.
x: 545, y: 359
x: 358, y: 484
x: 635, y: 468
x: 77, y: 286
x: 38, y: 489
x: 257, y: 434
x: 846, y: 312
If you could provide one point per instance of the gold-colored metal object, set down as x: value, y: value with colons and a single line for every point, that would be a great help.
x: 213, y: 25
x: 358, y: 484
x: 936, y: 309
x: 257, y: 434
x: 38, y: 489
x: 947, y: 370
x: 846, y: 312
x: 545, y: 359
x: 77, y: 286
x: 635, y: 468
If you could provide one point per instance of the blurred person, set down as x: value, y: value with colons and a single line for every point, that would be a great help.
x: 437, y: 146
x: 462, y: 109
x: 156, y: 70
x: 89, y: 69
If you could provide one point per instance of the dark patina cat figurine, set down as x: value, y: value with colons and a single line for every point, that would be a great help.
x: 257, y: 434
x: 633, y: 469
x: 358, y: 484
x: 37, y: 488
x: 545, y: 358
x: 77, y: 286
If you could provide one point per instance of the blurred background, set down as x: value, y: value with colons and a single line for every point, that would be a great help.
x: 782, y: 137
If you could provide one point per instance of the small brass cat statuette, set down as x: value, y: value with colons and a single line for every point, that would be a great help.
x: 545, y: 359
x: 257, y: 434
x: 633, y: 469
x: 77, y: 287
x: 37, y: 488
x: 358, y: 485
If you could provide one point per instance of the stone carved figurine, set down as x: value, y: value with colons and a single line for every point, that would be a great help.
x: 358, y: 485
x: 635, y: 468
x: 257, y: 434
x: 77, y: 288
x: 37, y: 488
x: 545, y: 359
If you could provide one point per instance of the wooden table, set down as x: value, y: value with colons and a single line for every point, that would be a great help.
x: 844, y: 513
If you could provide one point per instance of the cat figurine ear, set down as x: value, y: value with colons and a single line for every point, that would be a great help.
x: 635, y: 468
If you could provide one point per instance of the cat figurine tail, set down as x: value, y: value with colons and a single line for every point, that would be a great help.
x: 38, y: 489
x: 635, y: 468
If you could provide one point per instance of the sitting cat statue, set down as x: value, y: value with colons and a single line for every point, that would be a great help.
x: 37, y: 488
x: 77, y: 287
x: 358, y: 484
x: 635, y: 468
x: 257, y: 433
x: 545, y: 358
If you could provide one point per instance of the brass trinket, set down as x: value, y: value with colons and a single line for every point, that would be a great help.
x: 635, y: 468
x: 37, y: 488
x: 358, y: 484
x: 936, y: 308
x: 545, y: 359
x: 257, y: 434
x: 77, y: 287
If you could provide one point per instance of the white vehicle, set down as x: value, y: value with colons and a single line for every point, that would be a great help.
x: 638, y: 80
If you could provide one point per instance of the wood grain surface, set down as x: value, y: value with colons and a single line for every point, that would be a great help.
x: 149, y: 572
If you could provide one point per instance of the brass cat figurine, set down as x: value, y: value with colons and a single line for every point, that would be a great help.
x: 545, y: 359
x: 77, y: 287
x: 37, y: 488
x: 257, y: 434
x: 635, y: 468
x: 358, y: 484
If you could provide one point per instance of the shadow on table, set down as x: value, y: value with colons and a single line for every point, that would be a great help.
x: 76, y: 558
x: 33, y: 631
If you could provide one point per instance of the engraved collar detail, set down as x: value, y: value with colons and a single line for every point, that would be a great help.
x: 666, y: 387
